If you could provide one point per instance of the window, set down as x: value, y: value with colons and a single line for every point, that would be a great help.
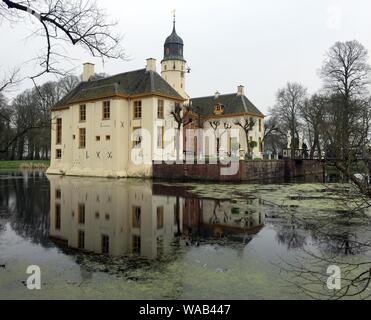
x: 82, y: 138
x: 136, y: 217
x: 82, y: 113
x: 81, y: 213
x: 137, y: 138
x: 136, y: 244
x: 97, y: 215
x: 107, y: 216
x: 108, y: 138
x: 160, y: 109
x: 59, y: 131
x: 105, y: 244
x: 58, y: 194
x: 160, y: 217
x: 97, y: 138
x: 260, y: 145
x: 58, y: 154
x: 137, y: 109
x: 235, y: 211
x: 81, y: 240
x: 57, y: 216
x: 260, y: 125
x: 160, y: 137
x: 106, y: 110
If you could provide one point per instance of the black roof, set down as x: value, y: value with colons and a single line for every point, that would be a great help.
x: 128, y: 84
x: 174, y: 38
x: 173, y: 47
x: 233, y: 104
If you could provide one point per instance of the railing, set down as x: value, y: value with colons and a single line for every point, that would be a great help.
x: 300, y: 154
x: 297, y: 154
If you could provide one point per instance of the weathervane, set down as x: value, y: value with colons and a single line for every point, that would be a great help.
x: 173, y: 13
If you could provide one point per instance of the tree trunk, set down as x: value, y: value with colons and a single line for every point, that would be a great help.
x: 177, y: 143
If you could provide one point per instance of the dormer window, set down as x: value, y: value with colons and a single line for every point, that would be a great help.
x: 219, y: 109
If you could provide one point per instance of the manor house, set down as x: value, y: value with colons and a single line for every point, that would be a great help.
x: 99, y: 128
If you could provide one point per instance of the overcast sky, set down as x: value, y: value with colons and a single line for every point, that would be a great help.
x: 259, y: 44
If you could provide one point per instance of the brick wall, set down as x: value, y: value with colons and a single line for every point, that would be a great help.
x: 248, y: 171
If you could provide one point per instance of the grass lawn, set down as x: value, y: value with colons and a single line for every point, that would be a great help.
x: 24, y: 164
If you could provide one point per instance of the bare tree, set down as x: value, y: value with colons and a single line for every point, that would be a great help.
x: 182, y: 118
x: 247, y: 124
x: 219, y: 132
x: 27, y: 122
x: 68, y: 83
x: 79, y: 22
x: 275, y: 140
x: 289, y: 102
x: 9, y: 80
x: 345, y: 73
x: 313, y: 114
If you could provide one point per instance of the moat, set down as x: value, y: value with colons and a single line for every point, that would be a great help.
x: 138, y: 239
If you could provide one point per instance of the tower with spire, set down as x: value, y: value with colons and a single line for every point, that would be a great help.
x: 173, y: 65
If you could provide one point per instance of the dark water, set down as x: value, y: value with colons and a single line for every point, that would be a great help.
x: 134, y: 239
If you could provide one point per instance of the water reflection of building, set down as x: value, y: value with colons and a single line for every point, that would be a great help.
x: 120, y: 217
x: 212, y: 218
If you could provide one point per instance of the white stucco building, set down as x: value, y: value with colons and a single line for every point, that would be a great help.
x: 116, y: 126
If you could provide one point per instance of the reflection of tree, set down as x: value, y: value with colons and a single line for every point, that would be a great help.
x: 309, y: 275
x: 342, y: 244
x: 291, y: 236
x: 177, y: 215
x: 30, y: 215
x: 337, y: 243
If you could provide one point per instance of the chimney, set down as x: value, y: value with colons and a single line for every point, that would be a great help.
x: 241, y: 90
x: 88, y: 71
x: 151, y: 64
